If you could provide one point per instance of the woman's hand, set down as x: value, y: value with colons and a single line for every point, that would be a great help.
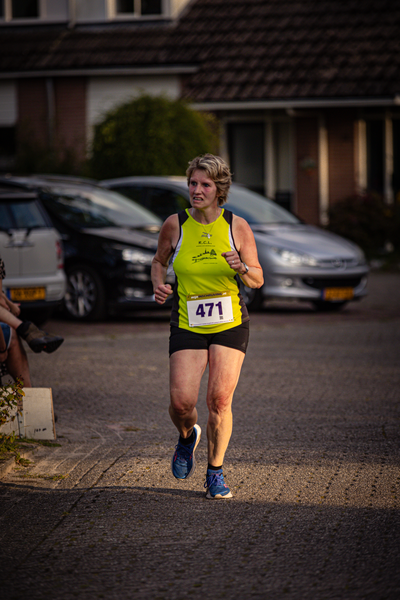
x: 3, y: 301
x: 9, y: 305
x: 233, y: 260
x: 162, y: 292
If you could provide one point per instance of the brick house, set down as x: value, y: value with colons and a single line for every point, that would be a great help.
x: 308, y: 93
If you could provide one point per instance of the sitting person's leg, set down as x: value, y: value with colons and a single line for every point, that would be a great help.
x: 36, y: 339
x: 16, y: 361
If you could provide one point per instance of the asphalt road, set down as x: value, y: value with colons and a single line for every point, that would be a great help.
x: 313, y: 465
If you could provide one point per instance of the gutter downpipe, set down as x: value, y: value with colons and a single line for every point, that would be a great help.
x: 72, y: 14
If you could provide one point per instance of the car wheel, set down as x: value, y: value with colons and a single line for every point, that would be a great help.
x: 253, y: 298
x: 85, y: 298
x: 324, y: 306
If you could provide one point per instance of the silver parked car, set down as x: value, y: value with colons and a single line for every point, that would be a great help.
x: 32, y: 252
x: 300, y: 261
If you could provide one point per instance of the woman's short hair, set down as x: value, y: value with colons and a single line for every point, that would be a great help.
x: 217, y: 170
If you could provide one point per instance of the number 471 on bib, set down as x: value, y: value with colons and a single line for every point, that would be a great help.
x: 209, y: 309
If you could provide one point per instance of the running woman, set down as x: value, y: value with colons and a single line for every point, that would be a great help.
x: 210, y: 249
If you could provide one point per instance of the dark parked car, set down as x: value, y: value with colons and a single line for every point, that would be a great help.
x: 109, y: 243
x: 32, y: 252
x: 300, y: 261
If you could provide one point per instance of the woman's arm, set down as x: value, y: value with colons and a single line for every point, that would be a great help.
x: 167, y: 241
x: 247, y: 253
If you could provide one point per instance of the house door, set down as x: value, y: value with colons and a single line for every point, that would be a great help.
x: 246, y: 152
x: 375, y: 155
x: 396, y: 159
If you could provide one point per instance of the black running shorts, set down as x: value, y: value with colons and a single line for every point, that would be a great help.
x: 183, y: 339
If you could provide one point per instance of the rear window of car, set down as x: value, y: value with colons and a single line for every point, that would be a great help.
x: 21, y: 214
x: 165, y: 202
x: 91, y: 207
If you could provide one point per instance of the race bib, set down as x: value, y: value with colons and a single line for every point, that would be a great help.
x: 209, y: 309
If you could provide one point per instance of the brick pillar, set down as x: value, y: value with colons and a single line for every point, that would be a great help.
x: 307, y: 196
x: 70, y: 115
x: 32, y: 111
x: 341, y: 139
x: 52, y: 113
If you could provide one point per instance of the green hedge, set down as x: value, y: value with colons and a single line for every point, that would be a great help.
x: 151, y: 136
x: 368, y: 221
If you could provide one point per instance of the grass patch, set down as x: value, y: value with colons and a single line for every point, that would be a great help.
x: 47, y: 477
x: 11, y: 446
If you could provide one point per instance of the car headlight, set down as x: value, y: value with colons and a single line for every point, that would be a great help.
x: 361, y: 258
x: 295, y: 258
x: 133, y: 255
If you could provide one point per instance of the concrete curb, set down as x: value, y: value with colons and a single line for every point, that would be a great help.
x: 7, y: 464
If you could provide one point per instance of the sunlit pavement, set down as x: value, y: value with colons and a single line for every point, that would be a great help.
x: 313, y: 465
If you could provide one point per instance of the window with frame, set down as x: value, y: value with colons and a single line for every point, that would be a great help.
x: 138, y: 8
x: 25, y: 9
x: 19, y: 9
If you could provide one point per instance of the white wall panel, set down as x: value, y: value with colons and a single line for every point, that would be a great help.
x: 90, y: 10
x: 106, y: 93
x: 55, y: 10
x: 8, y: 103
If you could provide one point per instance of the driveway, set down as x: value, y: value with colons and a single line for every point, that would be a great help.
x: 313, y: 465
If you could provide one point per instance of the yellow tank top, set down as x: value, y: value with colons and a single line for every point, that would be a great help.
x: 206, y: 292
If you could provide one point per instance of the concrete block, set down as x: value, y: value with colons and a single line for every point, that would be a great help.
x: 37, y: 419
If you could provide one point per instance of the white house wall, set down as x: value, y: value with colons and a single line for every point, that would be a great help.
x: 55, y: 10
x: 8, y: 103
x: 91, y: 10
x: 106, y: 93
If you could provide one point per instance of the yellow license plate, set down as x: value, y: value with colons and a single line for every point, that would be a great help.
x: 27, y: 294
x: 338, y: 294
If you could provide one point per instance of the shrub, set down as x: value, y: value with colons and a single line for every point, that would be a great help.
x: 368, y: 221
x: 151, y: 136
x: 10, y: 398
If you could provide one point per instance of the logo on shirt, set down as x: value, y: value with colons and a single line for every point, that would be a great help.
x: 207, y: 255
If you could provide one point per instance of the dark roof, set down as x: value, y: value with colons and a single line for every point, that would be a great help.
x: 37, y: 48
x: 281, y: 49
x: 248, y: 50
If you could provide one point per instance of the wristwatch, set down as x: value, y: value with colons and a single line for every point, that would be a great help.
x: 246, y: 267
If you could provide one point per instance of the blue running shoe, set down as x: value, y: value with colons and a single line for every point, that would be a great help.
x: 183, y: 463
x: 216, y: 486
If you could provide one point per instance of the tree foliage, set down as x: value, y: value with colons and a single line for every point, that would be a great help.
x: 151, y: 136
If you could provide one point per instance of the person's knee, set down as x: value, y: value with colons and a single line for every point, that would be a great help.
x: 181, y: 405
x: 219, y: 402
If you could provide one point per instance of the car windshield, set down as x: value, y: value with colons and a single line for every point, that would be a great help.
x: 257, y: 209
x: 87, y: 207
